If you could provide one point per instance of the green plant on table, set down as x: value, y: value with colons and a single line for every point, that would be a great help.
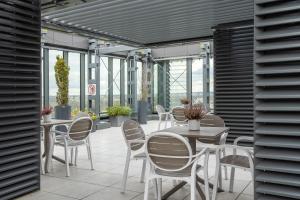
x: 114, y: 111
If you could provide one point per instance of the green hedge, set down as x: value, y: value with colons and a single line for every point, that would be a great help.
x: 118, y: 111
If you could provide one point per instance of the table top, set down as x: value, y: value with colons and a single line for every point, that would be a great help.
x: 204, y: 133
x: 56, y: 122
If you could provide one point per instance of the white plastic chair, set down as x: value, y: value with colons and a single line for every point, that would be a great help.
x: 162, y: 113
x: 134, y: 137
x: 245, y: 161
x: 214, y: 121
x: 178, y: 117
x: 170, y: 157
x: 77, y: 134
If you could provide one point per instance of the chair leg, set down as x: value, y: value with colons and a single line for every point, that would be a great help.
x: 193, y: 188
x: 225, y: 167
x: 67, y: 159
x: 160, y: 120
x: 155, y: 188
x: 87, y: 149
x: 125, y: 173
x: 72, y: 155
x: 143, y: 171
x: 231, y: 179
x: 206, y: 183
x: 76, y: 156
x: 220, y: 178
x: 159, y: 188
x: 166, y: 120
x: 146, y: 191
x: 217, y: 170
x: 90, y: 153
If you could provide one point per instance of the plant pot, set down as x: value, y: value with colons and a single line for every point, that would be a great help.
x: 194, y: 125
x: 46, y: 118
x: 142, y: 112
x: 62, y: 112
x: 117, y: 120
x: 95, y: 122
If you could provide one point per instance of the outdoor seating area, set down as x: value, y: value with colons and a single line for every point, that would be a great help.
x: 109, y: 151
x: 149, y: 99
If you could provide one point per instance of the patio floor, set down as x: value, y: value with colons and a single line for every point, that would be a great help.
x: 104, y: 182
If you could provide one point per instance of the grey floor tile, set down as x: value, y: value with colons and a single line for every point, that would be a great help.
x: 112, y: 194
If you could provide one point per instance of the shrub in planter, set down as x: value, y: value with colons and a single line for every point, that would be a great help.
x: 62, y: 110
x: 118, y: 114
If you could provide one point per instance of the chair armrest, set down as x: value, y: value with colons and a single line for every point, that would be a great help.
x: 198, y: 155
x: 243, y: 138
x: 236, y: 147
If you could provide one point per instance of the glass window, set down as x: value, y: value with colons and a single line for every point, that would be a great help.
x: 103, y: 84
x: 74, y: 80
x: 116, y: 81
x: 197, y: 80
x: 177, y: 81
x: 52, y: 81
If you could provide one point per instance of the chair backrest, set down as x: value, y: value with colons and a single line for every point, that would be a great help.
x: 214, y: 121
x: 80, y: 128
x: 160, y: 109
x: 178, y: 114
x: 132, y: 131
x: 168, y: 151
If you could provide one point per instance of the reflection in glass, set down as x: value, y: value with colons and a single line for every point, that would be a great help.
x: 177, y: 81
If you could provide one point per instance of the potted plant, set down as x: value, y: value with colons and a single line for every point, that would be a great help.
x: 118, y: 114
x: 46, y: 114
x: 95, y: 119
x: 194, y: 114
x: 185, y: 102
x: 62, y: 110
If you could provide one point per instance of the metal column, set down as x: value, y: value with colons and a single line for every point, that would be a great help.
x: 122, y: 82
x: 132, y: 83
x: 82, y: 81
x: 205, y: 51
x: 189, y: 70
x: 46, y: 76
x: 110, y: 81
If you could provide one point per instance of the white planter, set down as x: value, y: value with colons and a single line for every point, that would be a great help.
x: 194, y: 125
x: 46, y: 118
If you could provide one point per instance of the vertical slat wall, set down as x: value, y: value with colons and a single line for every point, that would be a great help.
x: 19, y: 97
x: 233, y: 57
x: 277, y: 105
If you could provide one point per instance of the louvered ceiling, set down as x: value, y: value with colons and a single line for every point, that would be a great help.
x: 144, y: 21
